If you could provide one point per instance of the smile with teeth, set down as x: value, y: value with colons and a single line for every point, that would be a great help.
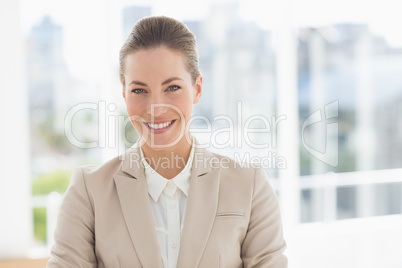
x: 159, y: 126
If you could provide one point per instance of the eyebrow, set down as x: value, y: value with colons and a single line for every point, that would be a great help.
x: 167, y: 81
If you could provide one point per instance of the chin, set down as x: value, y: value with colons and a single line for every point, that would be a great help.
x: 160, y: 143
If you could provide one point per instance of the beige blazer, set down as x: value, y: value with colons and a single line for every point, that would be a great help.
x: 232, y: 217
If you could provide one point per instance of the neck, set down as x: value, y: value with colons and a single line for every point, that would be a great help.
x: 168, y: 161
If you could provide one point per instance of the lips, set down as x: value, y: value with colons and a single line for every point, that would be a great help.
x: 159, y: 126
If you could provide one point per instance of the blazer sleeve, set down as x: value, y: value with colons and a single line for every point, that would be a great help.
x: 264, y: 244
x: 74, y: 234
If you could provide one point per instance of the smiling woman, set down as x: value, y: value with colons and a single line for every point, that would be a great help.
x: 155, y: 81
x: 197, y: 208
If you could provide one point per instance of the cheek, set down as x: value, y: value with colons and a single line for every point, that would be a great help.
x: 134, y: 107
x: 185, y: 105
x: 136, y: 112
x: 131, y: 109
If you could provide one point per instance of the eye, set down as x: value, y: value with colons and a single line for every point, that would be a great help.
x: 138, y: 90
x: 173, y: 88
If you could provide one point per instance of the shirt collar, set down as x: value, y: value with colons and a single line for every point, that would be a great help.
x: 156, y: 183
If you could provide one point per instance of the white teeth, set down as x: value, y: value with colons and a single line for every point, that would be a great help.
x: 158, y: 126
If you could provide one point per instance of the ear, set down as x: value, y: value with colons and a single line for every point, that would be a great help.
x: 198, y: 89
x: 123, y: 91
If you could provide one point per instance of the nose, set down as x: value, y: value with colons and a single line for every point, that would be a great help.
x: 157, y: 107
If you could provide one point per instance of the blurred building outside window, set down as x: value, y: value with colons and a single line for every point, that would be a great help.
x: 325, y: 100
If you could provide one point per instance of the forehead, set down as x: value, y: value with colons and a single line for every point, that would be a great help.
x: 154, y: 64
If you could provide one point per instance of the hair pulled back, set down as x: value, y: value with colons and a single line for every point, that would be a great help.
x: 157, y: 31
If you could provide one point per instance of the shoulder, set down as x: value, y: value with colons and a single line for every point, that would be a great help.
x: 231, y: 165
x: 245, y: 184
x: 106, y: 169
x: 244, y: 174
x: 96, y: 177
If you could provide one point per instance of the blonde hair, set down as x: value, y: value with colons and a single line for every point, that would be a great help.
x: 157, y: 31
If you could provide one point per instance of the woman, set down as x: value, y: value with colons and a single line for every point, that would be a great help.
x: 167, y: 202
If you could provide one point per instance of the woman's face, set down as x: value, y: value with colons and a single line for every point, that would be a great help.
x: 159, y: 95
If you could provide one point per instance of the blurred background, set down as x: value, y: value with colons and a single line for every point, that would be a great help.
x: 319, y: 82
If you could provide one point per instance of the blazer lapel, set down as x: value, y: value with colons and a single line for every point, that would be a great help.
x: 134, y: 200
x: 201, y: 208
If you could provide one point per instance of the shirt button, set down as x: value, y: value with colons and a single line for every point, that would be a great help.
x: 172, y: 205
x: 170, y: 184
x: 173, y: 245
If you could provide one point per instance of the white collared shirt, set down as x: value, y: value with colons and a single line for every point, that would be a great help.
x: 168, y: 199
